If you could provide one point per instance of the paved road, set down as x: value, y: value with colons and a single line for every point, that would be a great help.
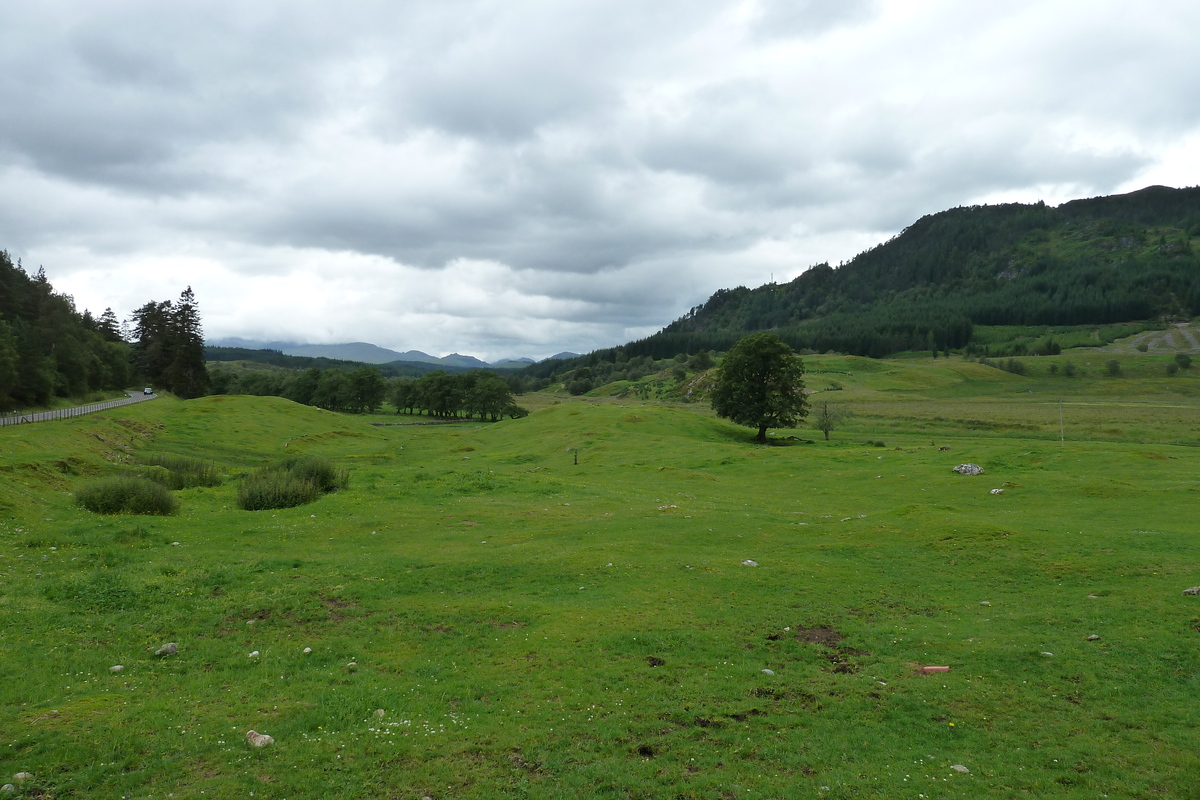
x: 78, y: 411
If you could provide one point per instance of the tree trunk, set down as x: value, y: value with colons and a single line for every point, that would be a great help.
x: 762, y: 434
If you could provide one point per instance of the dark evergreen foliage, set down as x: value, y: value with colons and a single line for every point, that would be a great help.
x: 169, y: 346
x: 1098, y: 261
x: 47, y: 348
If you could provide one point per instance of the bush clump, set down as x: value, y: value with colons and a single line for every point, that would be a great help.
x: 292, y: 482
x: 180, y: 472
x: 126, y: 495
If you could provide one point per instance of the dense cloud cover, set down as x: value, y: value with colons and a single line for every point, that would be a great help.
x: 527, y: 176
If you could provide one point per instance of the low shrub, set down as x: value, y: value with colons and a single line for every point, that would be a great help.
x: 292, y: 482
x: 180, y: 472
x: 127, y: 495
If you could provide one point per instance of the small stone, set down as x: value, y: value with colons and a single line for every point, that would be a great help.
x: 969, y: 469
x: 882, y: 683
x: 174, y: 544
x: 1195, y: 590
x: 253, y: 654
x: 21, y: 777
x: 1097, y: 597
x: 257, y: 739
x: 307, y: 650
x: 996, y: 491
x: 960, y: 768
x: 352, y: 665
x: 768, y: 672
x: 1047, y: 653
x: 1093, y: 637
x: 116, y: 668
x: 379, y: 712
x: 985, y: 602
x: 935, y: 668
x: 8, y: 787
x: 749, y: 563
x: 168, y: 649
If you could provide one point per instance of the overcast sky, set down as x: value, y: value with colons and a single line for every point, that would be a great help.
x: 519, y: 177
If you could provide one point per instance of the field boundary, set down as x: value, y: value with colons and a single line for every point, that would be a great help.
x: 67, y: 413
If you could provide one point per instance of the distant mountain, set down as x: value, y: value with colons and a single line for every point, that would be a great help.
x: 366, y: 353
x: 563, y: 356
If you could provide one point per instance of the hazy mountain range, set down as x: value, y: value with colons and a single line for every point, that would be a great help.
x: 367, y: 353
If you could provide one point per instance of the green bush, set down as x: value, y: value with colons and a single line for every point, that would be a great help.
x: 127, y: 495
x: 320, y: 471
x: 292, y: 482
x: 180, y: 472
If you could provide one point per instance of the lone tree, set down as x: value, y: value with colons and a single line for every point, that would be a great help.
x: 760, y: 384
x: 827, y: 418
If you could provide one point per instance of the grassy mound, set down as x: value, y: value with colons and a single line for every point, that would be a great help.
x: 292, y: 482
x: 127, y: 495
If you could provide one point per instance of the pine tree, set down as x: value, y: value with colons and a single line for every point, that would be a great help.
x: 186, y: 375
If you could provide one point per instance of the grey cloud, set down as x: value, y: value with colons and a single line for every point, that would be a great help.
x: 799, y: 18
x: 620, y: 160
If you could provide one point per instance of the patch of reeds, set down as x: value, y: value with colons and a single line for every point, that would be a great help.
x: 127, y: 495
x: 180, y: 472
x: 292, y: 482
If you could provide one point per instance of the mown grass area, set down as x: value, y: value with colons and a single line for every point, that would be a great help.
x: 532, y: 627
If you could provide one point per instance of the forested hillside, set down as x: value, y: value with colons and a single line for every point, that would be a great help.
x: 48, y: 349
x: 1086, y: 262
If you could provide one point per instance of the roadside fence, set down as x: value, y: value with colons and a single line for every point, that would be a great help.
x: 18, y: 418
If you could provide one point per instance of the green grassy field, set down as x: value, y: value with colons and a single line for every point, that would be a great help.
x: 531, y: 627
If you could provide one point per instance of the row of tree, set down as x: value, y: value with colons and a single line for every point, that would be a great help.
x: 358, y: 391
x: 477, y: 393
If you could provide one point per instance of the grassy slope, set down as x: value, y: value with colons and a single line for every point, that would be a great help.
x: 502, y: 603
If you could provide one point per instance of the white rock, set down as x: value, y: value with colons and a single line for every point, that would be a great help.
x: 307, y: 650
x: 997, y: 491
x: 1093, y: 637
x: 168, y: 649
x: 969, y: 469
x: 959, y: 768
x: 8, y: 787
x: 352, y: 665
x: 768, y: 672
x: 21, y: 777
x: 116, y: 668
x: 379, y: 712
x: 174, y: 544
x: 749, y: 563
x: 985, y: 602
x: 1045, y: 653
x: 257, y: 739
x: 253, y: 654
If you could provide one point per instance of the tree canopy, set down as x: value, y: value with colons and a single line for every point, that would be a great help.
x: 760, y: 383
